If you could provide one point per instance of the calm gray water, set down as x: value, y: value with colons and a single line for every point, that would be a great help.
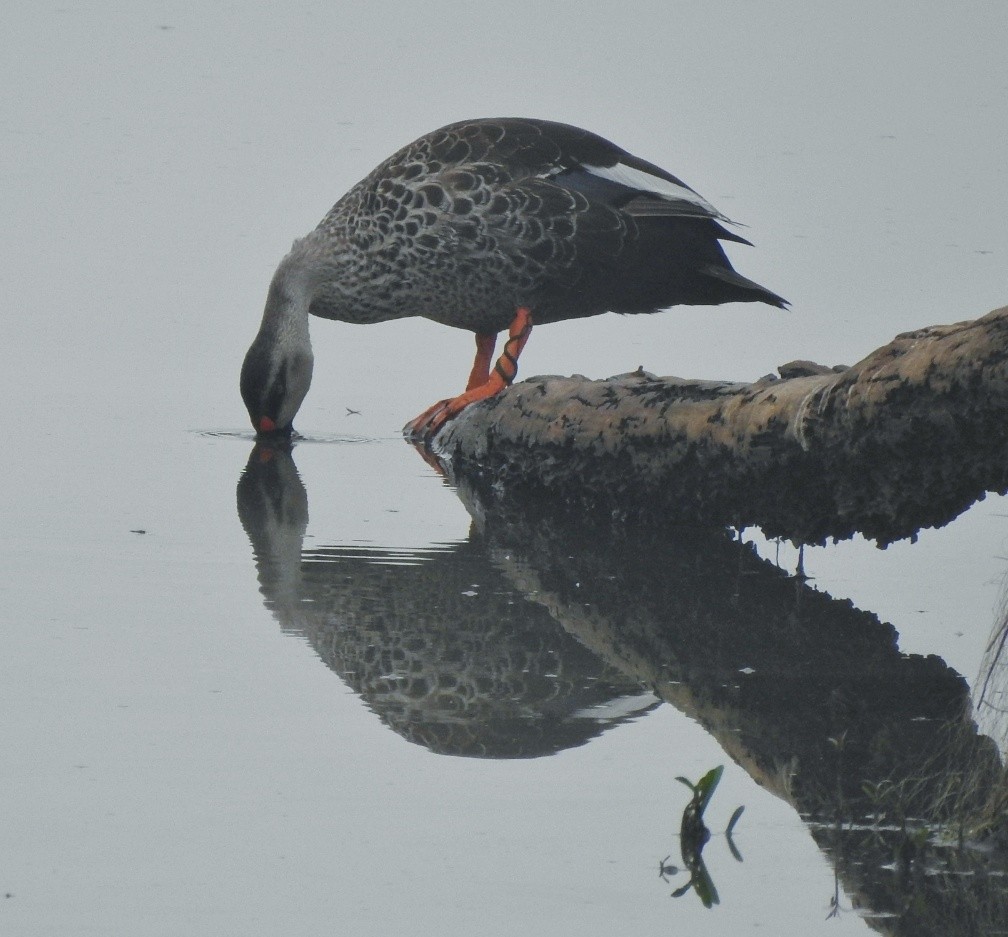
x: 315, y: 696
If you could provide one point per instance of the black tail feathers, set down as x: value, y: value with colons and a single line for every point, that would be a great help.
x: 742, y: 289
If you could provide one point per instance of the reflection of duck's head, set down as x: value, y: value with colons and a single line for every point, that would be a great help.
x: 273, y: 508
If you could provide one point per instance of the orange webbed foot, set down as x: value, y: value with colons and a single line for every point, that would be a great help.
x: 417, y: 427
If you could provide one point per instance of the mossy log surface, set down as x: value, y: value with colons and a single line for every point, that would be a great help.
x: 906, y: 438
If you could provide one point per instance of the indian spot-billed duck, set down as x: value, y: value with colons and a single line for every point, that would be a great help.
x: 491, y: 225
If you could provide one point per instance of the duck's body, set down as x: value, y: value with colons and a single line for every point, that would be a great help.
x: 481, y: 219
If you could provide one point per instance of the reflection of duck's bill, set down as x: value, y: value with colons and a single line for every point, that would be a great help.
x: 621, y: 708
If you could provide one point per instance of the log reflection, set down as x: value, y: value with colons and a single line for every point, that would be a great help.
x: 877, y: 750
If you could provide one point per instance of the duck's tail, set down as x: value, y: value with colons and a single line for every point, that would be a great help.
x: 742, y: 289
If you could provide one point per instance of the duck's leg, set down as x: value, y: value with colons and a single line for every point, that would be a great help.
x: 482, y: 382
x: 480, y: 374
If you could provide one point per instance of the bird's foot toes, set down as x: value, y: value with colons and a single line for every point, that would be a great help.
x: 423, y: 427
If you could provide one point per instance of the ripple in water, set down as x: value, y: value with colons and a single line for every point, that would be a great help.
x: 248, y: 436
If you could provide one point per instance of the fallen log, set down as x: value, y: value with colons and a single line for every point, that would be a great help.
x: 906, y: 438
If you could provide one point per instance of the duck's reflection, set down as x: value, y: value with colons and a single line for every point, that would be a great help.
x: 536, y: 634
x: 441, y: 647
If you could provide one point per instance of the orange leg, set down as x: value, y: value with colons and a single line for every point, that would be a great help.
x: 482, y: 382
x: 480, y: 374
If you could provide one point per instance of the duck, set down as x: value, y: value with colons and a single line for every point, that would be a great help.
x: 490, y: 225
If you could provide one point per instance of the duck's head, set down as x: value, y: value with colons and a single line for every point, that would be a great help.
x: 274, y: 381
x: 277, y: 370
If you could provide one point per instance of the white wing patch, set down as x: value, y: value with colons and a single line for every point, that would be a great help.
x: 645, y: 182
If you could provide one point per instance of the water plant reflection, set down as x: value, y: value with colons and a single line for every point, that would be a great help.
x: 694, y: 835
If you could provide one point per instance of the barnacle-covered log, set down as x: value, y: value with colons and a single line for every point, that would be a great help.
x: 906, y: 438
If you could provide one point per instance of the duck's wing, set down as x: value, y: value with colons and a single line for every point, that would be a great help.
x: 567, y: 156
x: 525, y: 147
x: 514, y: 150
x: 641, y: 194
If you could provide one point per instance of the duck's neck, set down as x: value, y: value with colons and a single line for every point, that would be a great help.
x: 285, y: 318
